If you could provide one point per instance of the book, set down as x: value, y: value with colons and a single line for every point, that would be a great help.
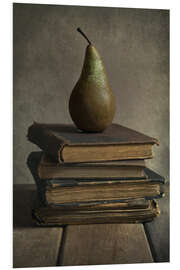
x: 59, y: 191
x: 55, y: 196
x: 49, y: 169
x: 66, y: 144
x: 47, y: 216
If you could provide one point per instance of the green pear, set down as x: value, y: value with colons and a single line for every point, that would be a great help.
x: 91, y: 104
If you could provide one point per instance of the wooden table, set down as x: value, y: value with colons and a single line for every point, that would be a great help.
x: 85, y: 244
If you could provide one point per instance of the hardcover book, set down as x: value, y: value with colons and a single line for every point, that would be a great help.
x: 66, y: 144
x: 49, y: 169
x: 47, y: 216
x: 56, y: 194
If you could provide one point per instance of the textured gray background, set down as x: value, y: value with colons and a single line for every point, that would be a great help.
x: 48, y: 56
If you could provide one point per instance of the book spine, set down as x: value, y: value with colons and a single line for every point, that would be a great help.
x: 47, y: 141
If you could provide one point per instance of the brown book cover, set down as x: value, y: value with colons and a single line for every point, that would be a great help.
x: 46, y: 216
x: 48, y: 169
x: 75, y: 191
x: 65, y: 143
x: 115, y: 191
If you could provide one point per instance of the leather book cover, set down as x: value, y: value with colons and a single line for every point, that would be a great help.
x: 52, y: 138
x: 45, y: 216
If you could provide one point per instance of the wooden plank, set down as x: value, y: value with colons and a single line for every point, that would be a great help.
x: 158, y: 232
x: 32, y: 246
x: 35, y: 247
x: 105, y: 244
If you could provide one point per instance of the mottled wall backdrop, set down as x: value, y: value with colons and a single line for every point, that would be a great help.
x: 48, y: 57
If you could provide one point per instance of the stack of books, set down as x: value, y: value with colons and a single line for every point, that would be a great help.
x: 94, y: 177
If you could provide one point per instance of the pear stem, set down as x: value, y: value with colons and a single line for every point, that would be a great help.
x: 81, y: 32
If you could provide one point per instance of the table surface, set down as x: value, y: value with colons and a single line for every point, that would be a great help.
x: 84, y: 244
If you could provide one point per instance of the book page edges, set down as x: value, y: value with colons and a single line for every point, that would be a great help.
x: 96, y: 153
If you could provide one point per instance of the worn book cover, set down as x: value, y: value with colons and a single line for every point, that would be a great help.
x: 48, y: 169
x: 46, y: 216
x: 65, y: 143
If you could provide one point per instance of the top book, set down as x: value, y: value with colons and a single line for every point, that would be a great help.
x: 66, y: 144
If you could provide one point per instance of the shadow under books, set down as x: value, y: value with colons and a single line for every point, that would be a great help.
x: 24, y: 196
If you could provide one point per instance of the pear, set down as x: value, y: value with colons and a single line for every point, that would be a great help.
x: 91, y: 104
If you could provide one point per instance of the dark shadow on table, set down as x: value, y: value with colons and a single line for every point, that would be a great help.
x: 24, y: 195
x: 23, y: 198
x: 157, y: 231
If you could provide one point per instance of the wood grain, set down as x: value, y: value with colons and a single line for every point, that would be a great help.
x: 157, y: 232
x: 35, y: 247
x: 105, y: 244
